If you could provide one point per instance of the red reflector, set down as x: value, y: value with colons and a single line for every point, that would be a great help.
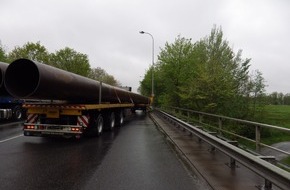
x: 29, y: 127
x: 75, y: 129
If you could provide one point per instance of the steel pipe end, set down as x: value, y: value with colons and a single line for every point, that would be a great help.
x: 21, y: 78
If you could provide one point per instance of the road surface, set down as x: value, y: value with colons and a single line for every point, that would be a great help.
x: 136, y: 156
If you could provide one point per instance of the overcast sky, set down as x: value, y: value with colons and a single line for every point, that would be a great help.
x: 108, y: 31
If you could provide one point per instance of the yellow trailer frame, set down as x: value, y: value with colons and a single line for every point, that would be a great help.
x: 55, y: 110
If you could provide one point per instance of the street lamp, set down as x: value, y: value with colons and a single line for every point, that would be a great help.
x: 152, y: 92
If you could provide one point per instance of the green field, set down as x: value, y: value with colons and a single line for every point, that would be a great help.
x: 278, y: 115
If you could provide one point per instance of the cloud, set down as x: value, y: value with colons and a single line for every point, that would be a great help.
x: 108, y: 31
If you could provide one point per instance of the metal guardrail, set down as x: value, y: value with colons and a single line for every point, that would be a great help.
x: 270, y: 172
x: 257, y: 126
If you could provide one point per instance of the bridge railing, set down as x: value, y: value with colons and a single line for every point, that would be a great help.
x: 261, y: 165
x: 217, y: 123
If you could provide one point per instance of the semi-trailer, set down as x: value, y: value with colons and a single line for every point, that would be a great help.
x: 10, y: 107
x: 68, y: 104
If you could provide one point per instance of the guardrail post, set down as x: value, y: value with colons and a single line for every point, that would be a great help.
x: 268, y: 185
x: 272, y: 160
x: 258, y: 138
x: 232, y: 163
x: 212, y: 149
x: 188, y: 116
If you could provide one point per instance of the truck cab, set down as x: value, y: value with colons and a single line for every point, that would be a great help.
x: 11, y: 108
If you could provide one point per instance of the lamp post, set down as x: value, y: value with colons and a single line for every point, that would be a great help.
x: 152, y: 74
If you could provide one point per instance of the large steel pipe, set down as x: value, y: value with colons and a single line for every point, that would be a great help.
x: 3, y: 67
x: 27, y: 79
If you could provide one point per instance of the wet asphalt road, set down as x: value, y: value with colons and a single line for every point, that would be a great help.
x: 135, y: 156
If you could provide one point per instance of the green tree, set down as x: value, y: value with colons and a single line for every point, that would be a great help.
x: 274, y: 98
x: 281, y: 98
x: 100, y: 74
x: 33, y: 51
x: 146, y: 84
x: 70, y: 60
x: 277, y: 98
x: 3, y: 56
x: 220, y: 78
x: 258, y: 89
x: 173, y: 68
x: 159, y: 86
x: 66, y: 59
x: 287, y: 99
x: 206, y: 76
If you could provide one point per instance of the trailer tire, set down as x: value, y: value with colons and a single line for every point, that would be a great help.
x: 96, y: 126
x: 120, y: 118
x: 99, y: 125
x: 17, y: 113
x: 110, y: 121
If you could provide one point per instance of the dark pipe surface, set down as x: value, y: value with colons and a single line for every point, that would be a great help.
x: 3, y: 67
x: 32, y: 80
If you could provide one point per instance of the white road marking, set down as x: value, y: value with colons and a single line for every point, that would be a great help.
x: 11, y: 138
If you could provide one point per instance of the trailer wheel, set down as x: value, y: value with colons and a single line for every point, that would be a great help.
x: 110, y: 121
x: 17, y: 113
x: 120, y: 118
x: 99, y: 125
x: 96, y: 126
